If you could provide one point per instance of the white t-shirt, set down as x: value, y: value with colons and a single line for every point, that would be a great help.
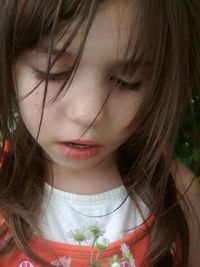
x: 64, y: 213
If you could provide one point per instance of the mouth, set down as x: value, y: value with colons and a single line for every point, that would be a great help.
x: 79, y: 149
x: 81, y: 143
x: 78, y: 145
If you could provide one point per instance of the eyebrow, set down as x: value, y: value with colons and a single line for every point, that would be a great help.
x: 137, y: 63
x: 54, y: 51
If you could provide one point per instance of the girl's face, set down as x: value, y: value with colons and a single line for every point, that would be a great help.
x: 99, y: 70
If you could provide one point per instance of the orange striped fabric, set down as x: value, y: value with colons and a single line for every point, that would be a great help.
x: 66, y: 255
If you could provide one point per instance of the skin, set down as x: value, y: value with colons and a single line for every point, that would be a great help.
x: 189, y: 187
x: 68, y: 118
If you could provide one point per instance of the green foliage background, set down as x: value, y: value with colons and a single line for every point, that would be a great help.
x: 187, y: 148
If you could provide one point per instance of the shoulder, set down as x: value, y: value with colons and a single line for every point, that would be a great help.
x: 188, y: 188
x: 185, y: 180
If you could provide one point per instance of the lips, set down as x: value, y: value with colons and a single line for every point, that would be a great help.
x: 82, y: 142
x: 78, y: 145
x: 78, y: 149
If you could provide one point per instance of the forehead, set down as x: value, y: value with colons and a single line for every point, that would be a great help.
x: 112, y: 26
x: 113, y: 17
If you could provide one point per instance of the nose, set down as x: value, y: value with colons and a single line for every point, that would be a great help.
x: 85, y: 102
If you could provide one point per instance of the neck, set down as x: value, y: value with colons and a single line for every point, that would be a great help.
x: 101, y: 178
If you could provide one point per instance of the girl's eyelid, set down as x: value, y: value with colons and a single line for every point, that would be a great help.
x: 126, y: 82
x: 52, y: 71
x: 118, y: 79
x: 52, y: 76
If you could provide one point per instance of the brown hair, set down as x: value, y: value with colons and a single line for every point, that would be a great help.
x: 169, y: 34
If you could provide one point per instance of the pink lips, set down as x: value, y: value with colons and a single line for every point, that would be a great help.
x: 81, y: 153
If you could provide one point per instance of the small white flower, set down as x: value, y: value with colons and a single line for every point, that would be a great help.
x: 78, y: 235
x: 127, y: 255
x: 124, y: 248
x: 115, y: 264
x: 96, y: 231
x: 102, y: 243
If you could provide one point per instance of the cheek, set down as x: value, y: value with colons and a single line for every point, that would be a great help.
x: 31, y: 112
x: 30, y: 115
x: 124, y: 112
x: 29, y: 105
x: 125, y: 108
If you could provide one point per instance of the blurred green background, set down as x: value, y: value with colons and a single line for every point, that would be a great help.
x: 187, y: 148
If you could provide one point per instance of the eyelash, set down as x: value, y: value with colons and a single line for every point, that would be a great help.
x: 59, y: 76
x: 124, y: 85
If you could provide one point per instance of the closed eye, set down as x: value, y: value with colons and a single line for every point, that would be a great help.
x: 52, y: 76
x: 60, y: 76
x: 125, y: 85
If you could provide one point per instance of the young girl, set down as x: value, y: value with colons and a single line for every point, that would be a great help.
x: 92, y: 97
